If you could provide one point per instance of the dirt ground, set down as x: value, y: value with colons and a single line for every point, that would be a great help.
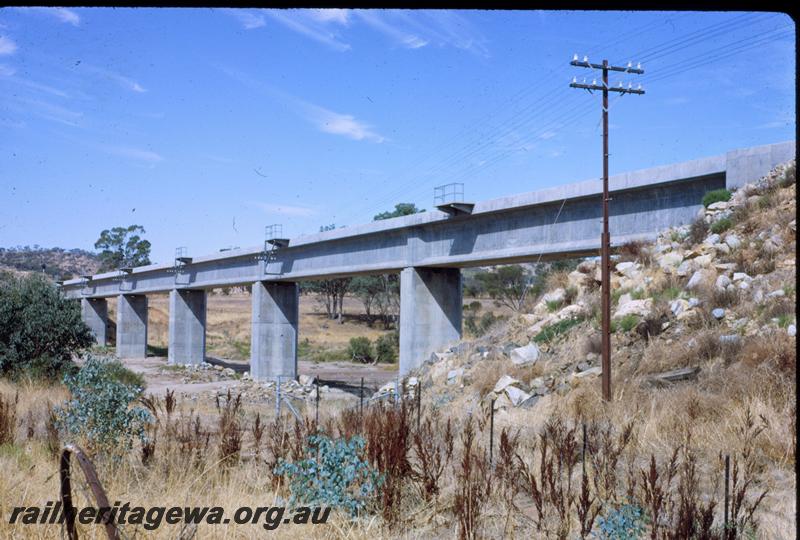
x: 228, y: 345
x: 345, y: 376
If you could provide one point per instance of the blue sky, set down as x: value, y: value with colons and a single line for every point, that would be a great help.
x: 205, y: 125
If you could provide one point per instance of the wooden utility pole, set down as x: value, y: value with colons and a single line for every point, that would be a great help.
x: 605, y: 238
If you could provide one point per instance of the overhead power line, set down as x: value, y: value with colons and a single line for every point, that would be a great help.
x: 544, y: 107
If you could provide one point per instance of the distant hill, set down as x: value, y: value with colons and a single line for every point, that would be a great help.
x: 58, y: 263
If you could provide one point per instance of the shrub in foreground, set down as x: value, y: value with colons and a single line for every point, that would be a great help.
x: 100, y: 409
x: 40, y: 329
x: 333, y: 473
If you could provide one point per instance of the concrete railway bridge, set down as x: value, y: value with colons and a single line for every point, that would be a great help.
x: 427, y: 249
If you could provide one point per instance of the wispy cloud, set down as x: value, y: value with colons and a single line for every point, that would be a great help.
x: 145, y: 156
x: 49, y: 111
x: 7, y: 46
x: 408, y: 29
x: 341, y: 124
x: 418, y: 28
x: 42, y: 88
x: 379, y: 22
x: 337, y: 15
x: 248, y: 19
x: 64, y: 15
x: 6, y: 71
x: 123, y: 81
x: 284, y: 209
x: 310, y: 25
x: 324, y: 119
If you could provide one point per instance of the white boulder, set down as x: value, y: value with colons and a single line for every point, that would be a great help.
x: 503, y: 382
x: 557, y: 295
x: 641, y: 308
x: 701, y: 277
x: 515, y: 395
x: 722, y: 281
x: 678, y: 306
x: 733, y: 241
x: 528, y: 354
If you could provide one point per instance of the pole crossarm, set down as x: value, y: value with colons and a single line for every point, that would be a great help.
x: 610, y: 88
x: 629, y: 69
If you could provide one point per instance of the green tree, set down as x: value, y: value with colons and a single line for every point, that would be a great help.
x: 122, y: 247
x: 380, y: 296
x: 330, y: 294
x: 508, y: 285
x: 400, y: 209
x: 40, y: 329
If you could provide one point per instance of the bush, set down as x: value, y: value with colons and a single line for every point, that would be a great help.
x: 721, y: 225
x: 40, y: 330
x: 698, y: 231
x: 622, y: 523
x: 333, y: 473
x: 100, y: 406
x: 553, y: 305
x: 789, y: 176
x: 360, y: 349
x: 386, y: 349
x: 553, y: 330
x: 634, y: 251
x: 479, y: 326
x: 716, y: 195
x: 475, y: 305
x: 627, y: 322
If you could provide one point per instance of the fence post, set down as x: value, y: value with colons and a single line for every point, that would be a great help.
x: 419, y: 401
x: 491, y: 435
x: 316, y: 413
x: 583, y: 452
x: 278, y: 396
x: 361, y: 400
x: 727, y: 482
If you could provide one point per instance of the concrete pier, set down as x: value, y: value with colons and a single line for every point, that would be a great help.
x: 131, y: 326
x: 94, y: 312
x: 187, y: 326
x: 273, y: 345
x: 430, y: 313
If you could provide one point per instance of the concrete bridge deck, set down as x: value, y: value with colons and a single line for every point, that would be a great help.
x: 427, y: 250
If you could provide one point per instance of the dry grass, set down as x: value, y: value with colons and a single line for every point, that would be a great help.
x: 557, y: 279
x: 635, y: 251
x: 441, y: 481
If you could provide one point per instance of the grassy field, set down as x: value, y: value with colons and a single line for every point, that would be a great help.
x: 228, y: 326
